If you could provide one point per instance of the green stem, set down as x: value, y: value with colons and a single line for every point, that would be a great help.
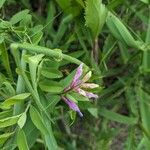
x: 146, y: 54
x: 18, y: 108
x: 147, y: 40
x: 27, y: 82
x: 35, y: 96
x: 48, y: 52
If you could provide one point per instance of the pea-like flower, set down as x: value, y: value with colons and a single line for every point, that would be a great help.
x: 79, y: 85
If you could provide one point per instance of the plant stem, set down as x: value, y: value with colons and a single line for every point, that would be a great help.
x: 18, y: 108
x: 48, y: 52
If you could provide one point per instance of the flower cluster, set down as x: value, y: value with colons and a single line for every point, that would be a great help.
x: 79, y: 85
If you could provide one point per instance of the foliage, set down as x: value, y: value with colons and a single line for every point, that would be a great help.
x: 41, y: 45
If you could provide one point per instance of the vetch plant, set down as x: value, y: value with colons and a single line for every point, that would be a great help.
x: 42, y: 43
x: 43, y: 83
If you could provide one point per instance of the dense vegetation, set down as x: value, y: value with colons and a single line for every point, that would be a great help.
x: 74, y: 74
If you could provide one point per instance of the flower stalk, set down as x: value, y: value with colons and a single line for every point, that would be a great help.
x: 57, y: 53
x: 79, y: 86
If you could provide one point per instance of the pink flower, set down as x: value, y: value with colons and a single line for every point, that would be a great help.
x: 78, y: 85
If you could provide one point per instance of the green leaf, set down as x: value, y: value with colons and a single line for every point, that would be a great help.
x: 68, y: 79
x: 51, y: 73
x: 117, y: 117
x: 8, y: 89
x: 46, y: 123
x: 37, y: 120
x: 37, y: 37
x: 144, y: 102
x: 26, y: 22
x: 93, y: 112
x: 51, y: 11
x: 9, y: 121
x: 72, y: 116
x: 30, y: 131
x: 145, y: 67
x: 81, y: 2
x: 19, y: 16
x: 131, y: 101
x: 114, y: 3
x: 52, y: 100
x: 51, y: 86
x: 49, y: 138
x: 1, y: 40
x: 4, y: 25
x: 21, y: 140
x: 62, y: 29
x: 70, y: 97
x: 33, y: 65
x: 124, y: 52
x: 64, y: 4
x: 35, y: 30
x: 2, y: 3
x: 145, y: 1
x: 70, y: 6
x: 5, y: 59
x: 22, y: 120
x: 4, y: 137
x: 95, y: 16
x: 76, y: 97
x: 15, y: 99
x: 5, y: 114
x: 119, y: 30
x: 48, y: 63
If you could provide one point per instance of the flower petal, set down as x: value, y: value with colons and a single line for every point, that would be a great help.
x: 78, y: 74
x: 87, y: 77
x: 80, y: 91
x: 72, y: 105
x: 89, y: 85
x: 86, y: 94
x: 91, y: 95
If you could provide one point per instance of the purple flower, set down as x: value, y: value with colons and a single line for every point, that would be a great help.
x: 72, y: 105
x: 78, y: 85
x: 86, y: 94
x: 76, y: 78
